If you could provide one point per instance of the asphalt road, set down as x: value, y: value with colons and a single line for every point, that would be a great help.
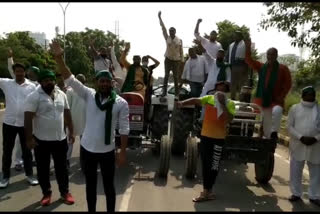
x: 236, y: 188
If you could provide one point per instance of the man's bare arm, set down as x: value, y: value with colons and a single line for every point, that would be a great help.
x: 28, y: 129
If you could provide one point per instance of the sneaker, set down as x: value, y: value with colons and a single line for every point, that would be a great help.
x: 315, y: 201
x: 4, y: 183
x: 294, y: 198
x: 46, y: 200
x: 18, y: 167
x: 67, y: 199
x: 32, y: 181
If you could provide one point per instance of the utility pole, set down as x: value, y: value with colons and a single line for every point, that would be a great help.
x: 64, y: 28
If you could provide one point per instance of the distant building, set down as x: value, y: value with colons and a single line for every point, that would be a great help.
x: 40, y: 39
x: 290, y: 60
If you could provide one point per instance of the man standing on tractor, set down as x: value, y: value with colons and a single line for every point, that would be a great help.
x: 103, y: 109
x: 239, y: 68
x: 194, y: 72
x: 304, y: 130
x: 273, y: 86
x: 211, y: 45
x: 137, y: 76
x: 219, y: 111
x: 173, y: 57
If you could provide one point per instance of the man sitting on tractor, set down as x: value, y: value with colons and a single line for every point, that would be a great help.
x: 137, y: 76
x: 219, y: 111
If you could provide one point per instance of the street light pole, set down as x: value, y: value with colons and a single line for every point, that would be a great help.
x: 64, y: 28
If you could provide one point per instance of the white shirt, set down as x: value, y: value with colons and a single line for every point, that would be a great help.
x: 93, y: 138
x: 48, y: 123
x: 240, y: 51
x: 101, y: 64
x: 78, y: 111
x: 195, y: 69
x: 174, y: 49
x: 10, y: 64
x: 303, y: 122
x: 15, y: 96
x: 211, y: 47
x: 213, y: 71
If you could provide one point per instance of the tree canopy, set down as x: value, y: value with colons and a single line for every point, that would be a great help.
x: 290, y: 16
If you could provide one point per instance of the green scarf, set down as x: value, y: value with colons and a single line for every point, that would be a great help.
x: 222, y: 76
x: 108, y: 108
x: 266, y: 93
x: 128, y: 84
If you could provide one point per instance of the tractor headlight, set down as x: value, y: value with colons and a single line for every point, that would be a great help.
x: 136, y: 118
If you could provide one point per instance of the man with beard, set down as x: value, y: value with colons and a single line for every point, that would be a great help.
x: 46, y: 113
x: 274, y: 84
x: 173, y: 57
x: 15, y: 90
x: 219, y: 111
x: 103, y: 109
x: 304, y: 130
x: 137, y: 76
x: 32, y: 74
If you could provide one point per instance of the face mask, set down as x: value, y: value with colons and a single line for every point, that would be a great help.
x: 145, y: 64
x: 308, y: 104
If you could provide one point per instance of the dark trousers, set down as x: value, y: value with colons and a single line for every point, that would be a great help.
x: 170, y: 65
x: 9, y: 134
x: 43, y: 152
x: 196, y: 89
x: 211, y: 152
x: 107, y: 165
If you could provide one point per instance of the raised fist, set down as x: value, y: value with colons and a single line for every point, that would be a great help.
x: 199, y: 20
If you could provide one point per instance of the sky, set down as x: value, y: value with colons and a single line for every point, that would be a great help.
x: 139, y: 23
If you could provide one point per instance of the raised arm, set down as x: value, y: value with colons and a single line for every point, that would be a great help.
x: 254, y: 64
x: 94, y: 52
x: 123, y: 57
x: 66, y: 74
x: 156, y: 62
x: 164, y: 29
x: 196, y: 31
x: 10, y: 63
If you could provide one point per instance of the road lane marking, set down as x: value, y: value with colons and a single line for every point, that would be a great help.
x: 124, y: 206
x: 305, y: 171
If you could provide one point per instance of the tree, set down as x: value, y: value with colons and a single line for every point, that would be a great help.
x: 78, y: 54
x: 25, y: 50
x: 290, y: 16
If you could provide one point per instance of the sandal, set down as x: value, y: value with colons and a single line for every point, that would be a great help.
x: 204, y: 197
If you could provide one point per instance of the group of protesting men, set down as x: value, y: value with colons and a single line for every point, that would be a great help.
x: 47, y: 111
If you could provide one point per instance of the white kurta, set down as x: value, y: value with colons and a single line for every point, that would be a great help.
x: 302, y: 122
x: 78, y: 111
x: 213, y: 72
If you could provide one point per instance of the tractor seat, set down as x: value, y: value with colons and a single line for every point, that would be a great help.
x: 133, y: 98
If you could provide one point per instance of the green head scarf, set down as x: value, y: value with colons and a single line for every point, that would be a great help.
x: 104, y: 73
x: 308, y: 89
x: 35, y: 69
x: 46, y: 73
